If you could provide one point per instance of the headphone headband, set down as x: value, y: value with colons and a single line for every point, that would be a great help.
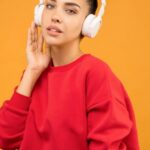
x: 102, y: 9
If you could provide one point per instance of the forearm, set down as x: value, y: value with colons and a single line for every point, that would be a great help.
x: 28, y: 81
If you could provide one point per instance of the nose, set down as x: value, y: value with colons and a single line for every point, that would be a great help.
x: 56, y: 18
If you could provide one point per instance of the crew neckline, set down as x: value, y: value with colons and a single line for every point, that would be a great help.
x: 69, y: 65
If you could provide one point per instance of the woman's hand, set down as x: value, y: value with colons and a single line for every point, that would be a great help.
x: 37, y: 59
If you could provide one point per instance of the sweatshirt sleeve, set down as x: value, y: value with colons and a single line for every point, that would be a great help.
x: 13, y: 114
x: 111, y: 122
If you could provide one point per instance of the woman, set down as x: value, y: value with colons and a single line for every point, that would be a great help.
x: 66, y: 99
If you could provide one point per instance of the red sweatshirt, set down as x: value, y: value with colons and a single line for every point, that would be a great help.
x: 78, y: 106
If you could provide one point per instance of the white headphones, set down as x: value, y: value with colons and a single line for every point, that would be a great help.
x: 91, y: 24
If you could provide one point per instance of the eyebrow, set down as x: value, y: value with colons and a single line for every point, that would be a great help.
x: 68, y: 3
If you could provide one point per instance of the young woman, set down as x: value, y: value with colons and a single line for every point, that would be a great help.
x: 66, y: 99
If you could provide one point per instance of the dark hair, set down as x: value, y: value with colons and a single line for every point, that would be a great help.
x: 93, y: 4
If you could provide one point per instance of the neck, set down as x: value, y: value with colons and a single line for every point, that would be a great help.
x: 65, y: 54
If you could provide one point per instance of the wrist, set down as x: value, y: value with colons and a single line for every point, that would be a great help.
x: 32, y: 70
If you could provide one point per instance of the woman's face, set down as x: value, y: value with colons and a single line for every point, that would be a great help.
x: 68, y: 15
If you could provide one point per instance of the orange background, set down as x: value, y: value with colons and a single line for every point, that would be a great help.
x: 123, y: 42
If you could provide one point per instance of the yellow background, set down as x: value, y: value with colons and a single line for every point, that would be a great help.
x: 123, y: 42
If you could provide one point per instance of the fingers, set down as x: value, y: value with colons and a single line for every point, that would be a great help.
x: 33, y: 40
x: 34, y: 35
x: 29, y: 40
x: 40, y: 43
x: 47, y: 49
x: 32, y: 31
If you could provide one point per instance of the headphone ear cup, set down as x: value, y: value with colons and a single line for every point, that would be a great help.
x: 86, y: 25
x: 95, y: 26
x: 91, y: 26
x: 38, y: 14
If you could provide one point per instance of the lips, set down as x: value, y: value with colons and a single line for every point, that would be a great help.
x: 54, y: 28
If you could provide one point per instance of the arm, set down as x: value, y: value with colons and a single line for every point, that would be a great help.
x: 14, y: 112
x: 28, y: 81
x: 110, y: 125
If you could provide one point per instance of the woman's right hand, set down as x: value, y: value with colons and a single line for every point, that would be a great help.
x: 38, y: 60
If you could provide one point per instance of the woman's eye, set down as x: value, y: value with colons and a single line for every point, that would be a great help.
x: 71, y: 11
x: 49, y: 5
